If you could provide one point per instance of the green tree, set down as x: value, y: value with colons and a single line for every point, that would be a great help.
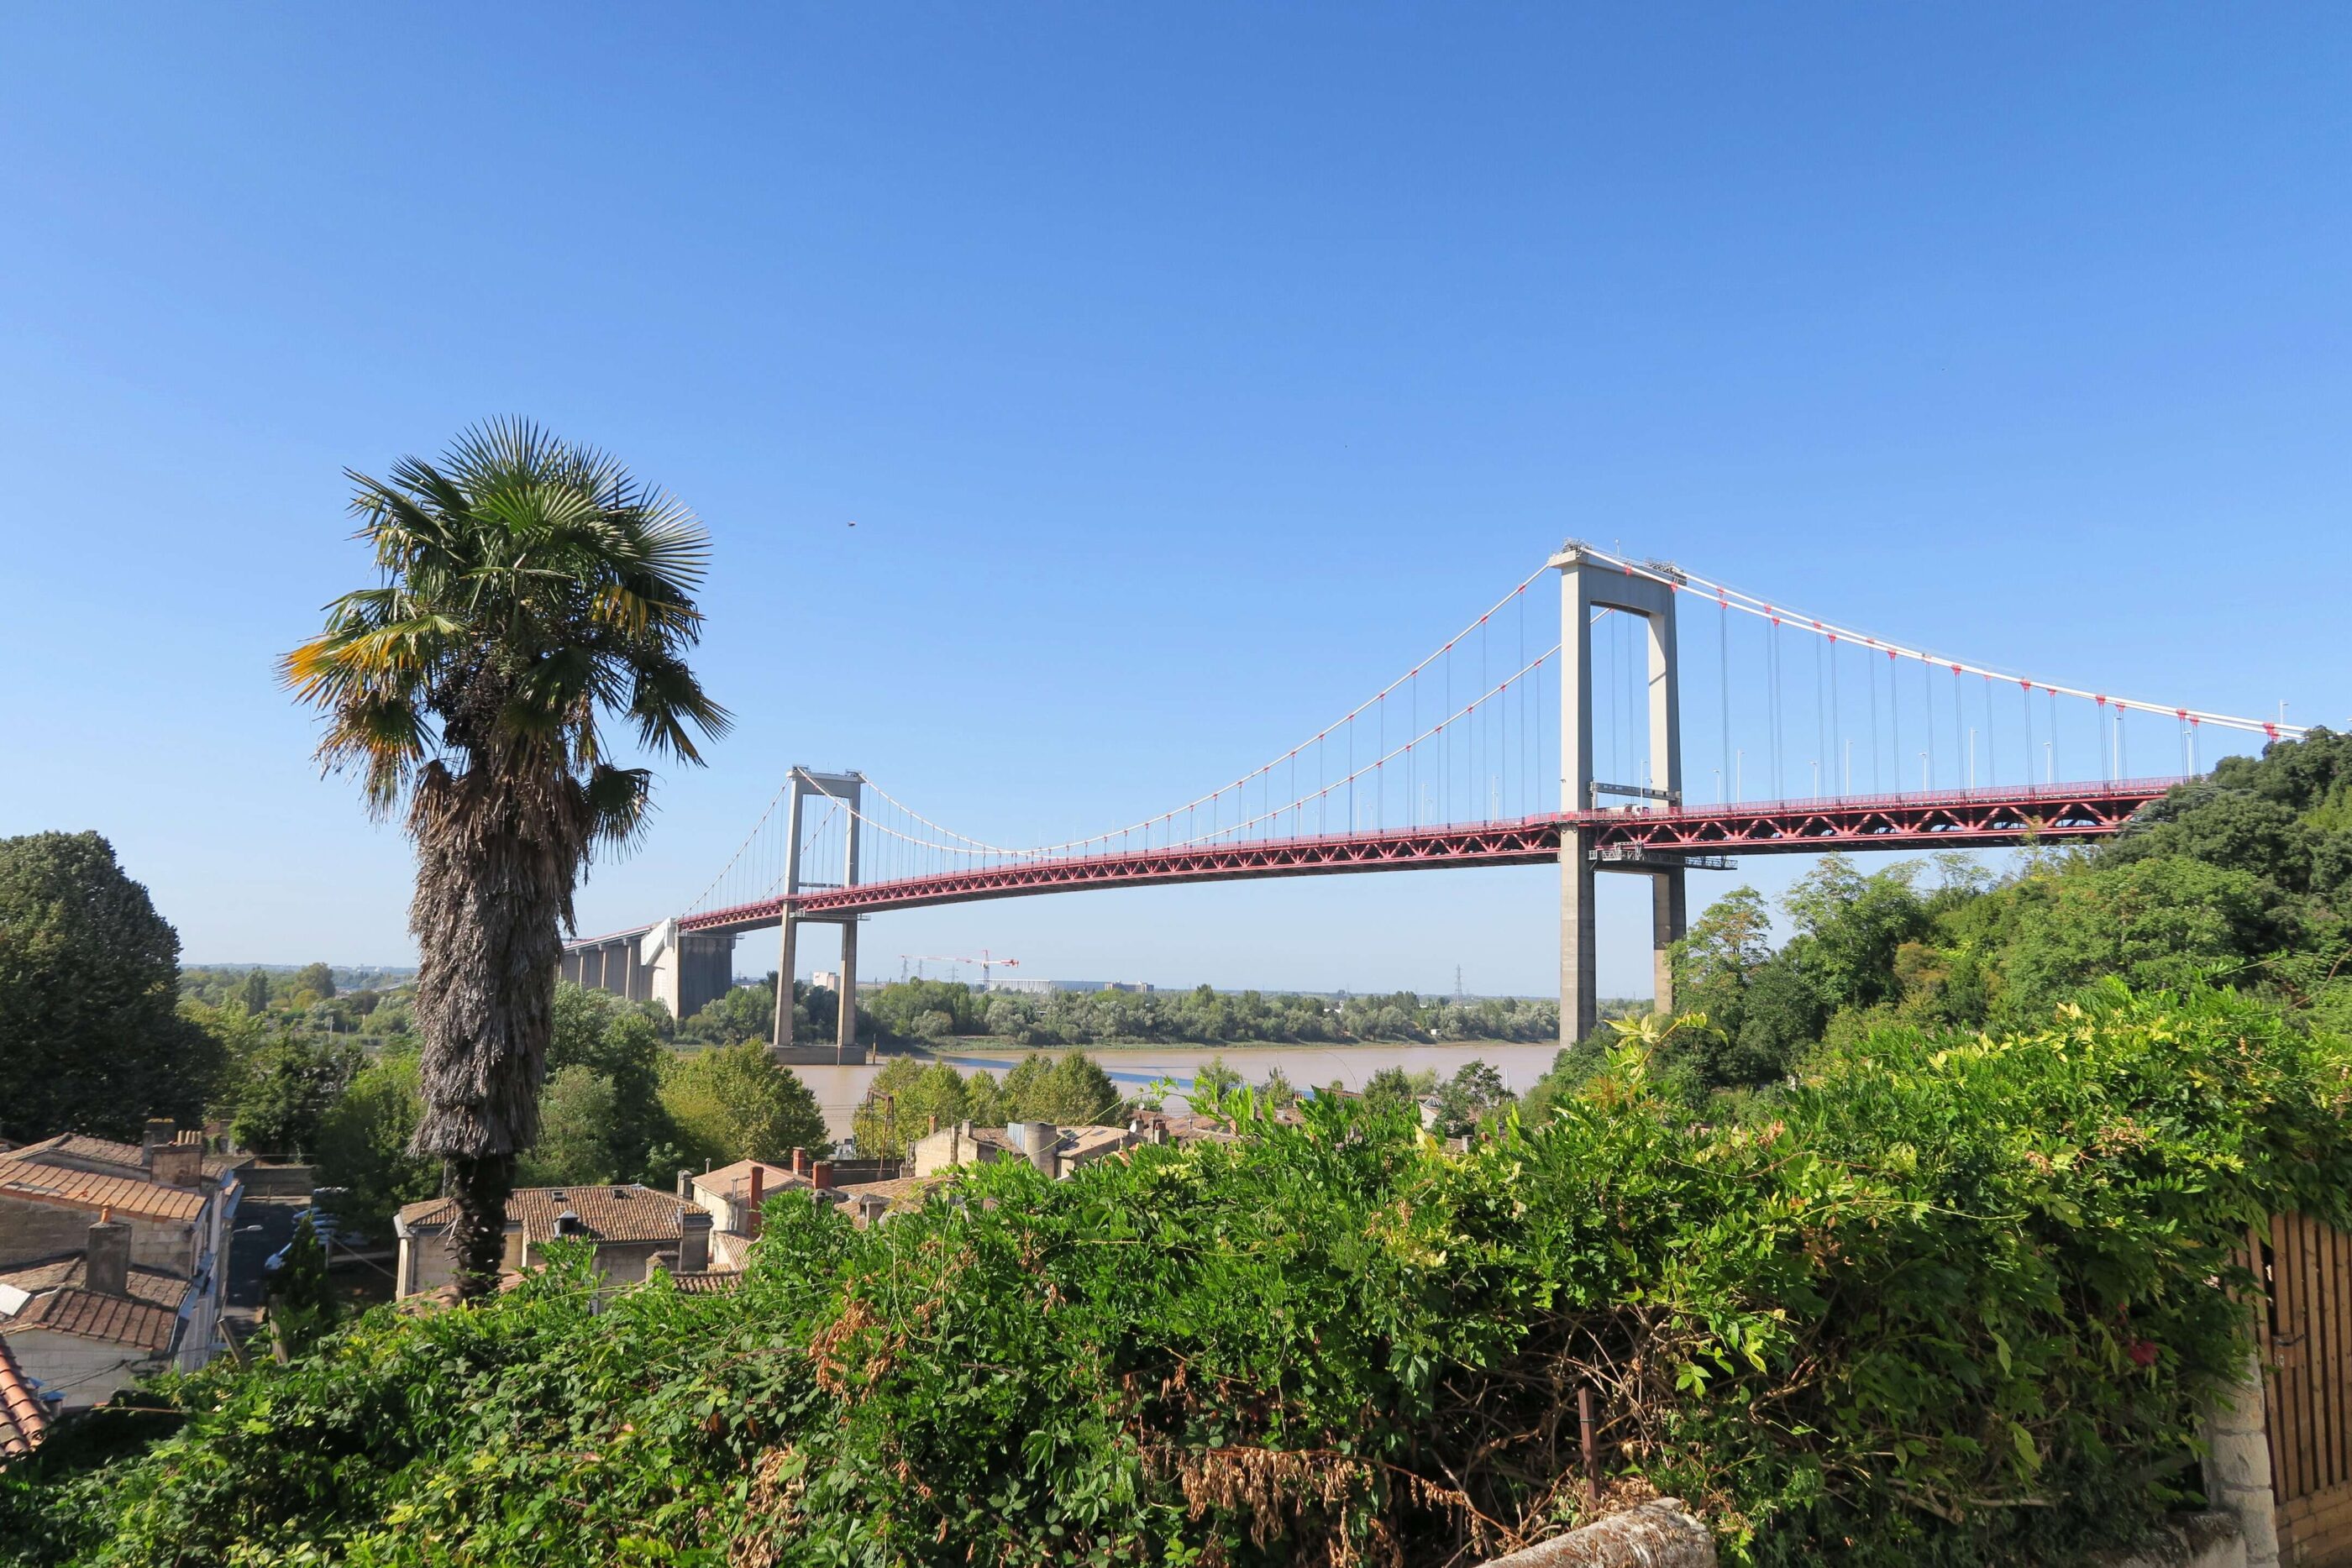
x: 744, y: 1012
x: 255, y: 991
x: 1856, y: 923
x: 621, y: 1042
x: 1213, y: 1080
x: 285, y: 1089
x: 319, y: 979
x: 2157, y: 923
x: 908, y: 1098
x: 1073, y: 1091
x: 1277, y: 1088
x: 365, y: 1141
x: 733, y: 1102
x: 1395, y: 1086
x: 1474, y: 1093
x: 90, y: 1036
x: 527, y: 588
x: 578, y: 1122
x: 302, y: 1305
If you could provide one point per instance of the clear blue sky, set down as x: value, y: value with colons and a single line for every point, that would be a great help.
x: 1188, y: 371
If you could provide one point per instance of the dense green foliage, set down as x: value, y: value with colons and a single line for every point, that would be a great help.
x: 2244, y: 879
x: 376, y: 1005
x: 364, y: 1143
x: 908, y: 1098
x: 922, y: 1012
x: 733, y: 1102
x: 1956, y: 1301
x: 89, y: 1039
x: 303, y: 1307
x: 619, y: 1104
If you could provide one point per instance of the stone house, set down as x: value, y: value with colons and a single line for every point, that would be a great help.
x: 629, y: 1226
x: 1054, y: 1149
x: 146, y: 1223
x: 732, y: 1194
x: 85, y: 1326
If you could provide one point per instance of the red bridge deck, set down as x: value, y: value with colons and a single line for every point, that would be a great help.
x: 1962, y: 819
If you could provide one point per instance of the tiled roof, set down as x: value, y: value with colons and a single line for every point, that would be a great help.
x: 1088, y: 1140
x: 23, y: 1419
x: 903, y: 1192
x: 709, y: 1282
x: 610, y: 1213
x: 134, y: 1195
x: 160, y: 1287
x: 735, y: 1180
x: 118, y: 1319
x: 106, y: 1151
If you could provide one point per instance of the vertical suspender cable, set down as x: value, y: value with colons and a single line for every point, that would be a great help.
x: 1992, y: 752
x: 1959, y: 727
x: 1895, y: 720
x: 1723, y: 694
x: 1837, y: 725
x: 1821, y: 721
x: 1927, y: 700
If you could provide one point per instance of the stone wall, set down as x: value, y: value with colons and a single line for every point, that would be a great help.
x: 85, y: 1371
x: 31, y: 1230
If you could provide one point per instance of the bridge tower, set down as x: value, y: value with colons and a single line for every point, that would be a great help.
x: 848, y: 789
x: 1588, y: 587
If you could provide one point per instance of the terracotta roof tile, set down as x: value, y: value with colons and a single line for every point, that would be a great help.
x: 23, y: 1419
x: 903, y: 1192
x: 130, y: 1156
x: 735, y: 1180
x: 158, y: 1287
x: 135, y: 1196
x: 118, y: 1319
x: 610, y: 1213
x: 709, y: 1282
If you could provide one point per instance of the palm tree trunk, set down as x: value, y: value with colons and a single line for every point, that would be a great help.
x: 496, y: 859
x: 478, y: 1240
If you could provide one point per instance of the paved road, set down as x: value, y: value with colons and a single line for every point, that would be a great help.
x: 266, y: 1224
x: 263, y: 1226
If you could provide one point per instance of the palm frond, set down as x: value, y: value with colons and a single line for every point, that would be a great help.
x: 620, y: 805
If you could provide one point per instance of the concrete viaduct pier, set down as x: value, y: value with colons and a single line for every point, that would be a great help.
x: 683, y: 970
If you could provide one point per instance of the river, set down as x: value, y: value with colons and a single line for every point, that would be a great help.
x: 838, y: 1090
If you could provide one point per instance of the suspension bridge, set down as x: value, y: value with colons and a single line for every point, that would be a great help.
x: 1520, y: 741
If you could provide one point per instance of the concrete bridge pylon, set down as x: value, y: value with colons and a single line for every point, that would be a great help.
x: 847, y: 789
x: 1591, y: 587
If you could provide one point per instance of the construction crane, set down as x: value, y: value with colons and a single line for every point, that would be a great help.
x: 986, y: 961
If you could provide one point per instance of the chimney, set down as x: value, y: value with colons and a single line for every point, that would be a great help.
x: 821, y: 1175
x: 759, y: 1193
x: 106, y: 1257
x: 935, y: 1120
x: 694, y: 1241
x: 1037, y: 1140
x: 800, y: 1162
x: 686, y: 1183
x: 179, y: 1163
x: 158, y: 1131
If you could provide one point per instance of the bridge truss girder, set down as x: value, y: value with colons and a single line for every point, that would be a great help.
x: 1961, y: 820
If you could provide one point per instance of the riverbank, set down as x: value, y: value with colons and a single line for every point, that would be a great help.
x: 1137, y: 1067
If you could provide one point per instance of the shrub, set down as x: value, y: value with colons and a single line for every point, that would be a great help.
x: 1948, y: 1299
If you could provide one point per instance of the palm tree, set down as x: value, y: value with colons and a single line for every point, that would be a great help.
x: 527, y: 588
